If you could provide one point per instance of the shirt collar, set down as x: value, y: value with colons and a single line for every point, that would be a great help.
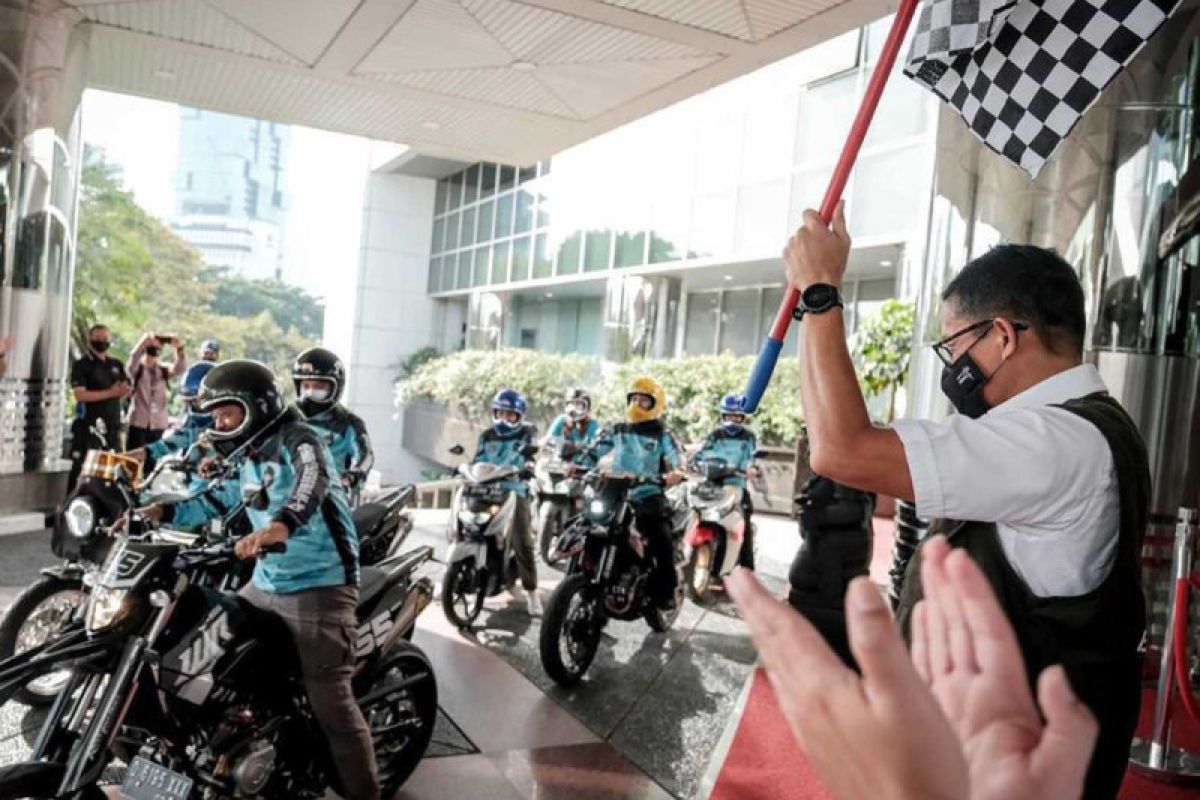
x: 1067, y: 385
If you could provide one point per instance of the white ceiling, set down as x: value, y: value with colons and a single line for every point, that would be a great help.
x: 504, y: 80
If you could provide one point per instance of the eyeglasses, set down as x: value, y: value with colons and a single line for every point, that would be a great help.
x: 946, y: 354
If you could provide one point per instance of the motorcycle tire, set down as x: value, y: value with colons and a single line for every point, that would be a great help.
x: 698, y: 573
x: 407, y: 665
x: 556, y: 618
x: 453, y: 592
x: 38, y: 693
x: 39, y: 780
x: 549, y: 528
x: 661, y: 619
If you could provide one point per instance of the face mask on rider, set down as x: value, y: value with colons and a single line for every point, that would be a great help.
x: 99, y: 345
x: 318, y: 395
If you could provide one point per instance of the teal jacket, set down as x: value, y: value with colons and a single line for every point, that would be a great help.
x: 581, y: 435
x: 737, y: 449
x: 646, y: 449
x: 345, y: 435
x: 302, y: 492
x: 504, y: 450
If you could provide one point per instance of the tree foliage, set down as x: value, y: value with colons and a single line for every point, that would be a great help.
x: 883, y: 348
x: 135, y: 275
x: 466, y: 381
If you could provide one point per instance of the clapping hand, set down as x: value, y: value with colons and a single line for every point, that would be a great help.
x: 966, y: 651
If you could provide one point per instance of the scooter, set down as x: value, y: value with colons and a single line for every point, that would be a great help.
x: 717, y: 528
x: 559, y: 497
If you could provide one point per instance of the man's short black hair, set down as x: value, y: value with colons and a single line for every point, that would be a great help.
x: 1023, y: 283
x: 99, y: 326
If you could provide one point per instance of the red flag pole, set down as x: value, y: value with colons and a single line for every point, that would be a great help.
x: 765, y: 366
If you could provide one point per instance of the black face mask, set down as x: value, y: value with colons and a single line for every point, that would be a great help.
x: 962, y: 383
x: 153, y: 351
x: 99, y: 345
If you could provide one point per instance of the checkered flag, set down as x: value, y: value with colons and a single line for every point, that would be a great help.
x: 1022, y: 73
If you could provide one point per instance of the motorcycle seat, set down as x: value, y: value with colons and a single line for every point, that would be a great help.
x: 367, y: 518
x: 372, y: 581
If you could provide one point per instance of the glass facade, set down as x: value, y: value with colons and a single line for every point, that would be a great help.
x: 722, y: 176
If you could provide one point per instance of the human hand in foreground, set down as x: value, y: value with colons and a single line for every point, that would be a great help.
x: 966, y: 651
x: 255, y: 544
x: 878, y: 736
x: 818, y: 253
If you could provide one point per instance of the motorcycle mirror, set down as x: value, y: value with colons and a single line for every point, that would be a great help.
x: 457, y: 450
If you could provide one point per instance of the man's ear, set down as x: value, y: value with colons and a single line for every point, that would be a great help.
x: 1008, y: 334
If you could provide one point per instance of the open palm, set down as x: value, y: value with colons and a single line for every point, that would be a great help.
x: 966, y: 651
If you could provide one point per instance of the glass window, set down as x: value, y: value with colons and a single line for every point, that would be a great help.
x: 719, y: 148
x: 543, y: 207
x: 598, y: 250
x: 487, y: 180
x: 439, y: 196
x: 771, y: 298
x: 524, y: 211
x: 739, y: 322
x: 454, y: 191
x: 761, y: 218
x: 471, y: 185
x: 669, y: 228
x: 543, y: 262
x: 700, y: 334
x: 520, y: 258
x: 874, y: 36
x: 435, y: 274
x: 884, y: 190
x: 449, y: 272
x: 904, y: 111
x: 464, y: 270
x: 504, y: 215
x: 439, y: 234
x: 484, y: 225
x: 824, y: 119
x: 508, y: 178
x: 500, y: 254
x: 451, y: 232
x: 568, y: 254
x: 481, y: 266
x: 768, y: 139
x: 808, y: 188
x: 527, y: 174
x: 630, y: 249
x: 712, y: 225
x: 544, y: 167
x: 468, y: 227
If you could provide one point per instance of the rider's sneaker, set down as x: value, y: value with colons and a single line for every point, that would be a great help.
x: 533, y: 603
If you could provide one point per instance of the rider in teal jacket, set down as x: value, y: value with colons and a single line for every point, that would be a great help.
x: 735, y: 444
x: 575, y: 425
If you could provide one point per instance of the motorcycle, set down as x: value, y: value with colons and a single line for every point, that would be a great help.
x: 383, y: 524
x: 104, y: 492
x: 559, y: 497
x: 608, y: 572
x: 195, y: 689
x: 480, y: 562
x: 717, y: 528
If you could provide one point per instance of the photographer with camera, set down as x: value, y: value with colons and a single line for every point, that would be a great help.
x: 148, y: 417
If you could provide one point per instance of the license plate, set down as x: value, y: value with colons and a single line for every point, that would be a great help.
x: 146, y: 780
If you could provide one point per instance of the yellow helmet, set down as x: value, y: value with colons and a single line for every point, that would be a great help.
x: 651, y: 388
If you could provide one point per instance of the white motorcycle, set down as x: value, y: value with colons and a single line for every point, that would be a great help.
x: 480, y: 563
x: 717, y: 528
x: 559, y: 497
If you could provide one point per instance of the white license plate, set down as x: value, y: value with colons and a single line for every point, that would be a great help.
x: 146, y: 780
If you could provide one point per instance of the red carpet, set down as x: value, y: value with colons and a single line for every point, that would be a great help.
x: 764, y: 762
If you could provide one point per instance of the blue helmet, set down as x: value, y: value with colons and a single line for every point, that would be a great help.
x: 192, y: 378
x: 508, y: 400
x: 733, y: 414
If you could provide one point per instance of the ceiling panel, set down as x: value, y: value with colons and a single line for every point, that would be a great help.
x: 502, y: 87
x: 592, y: 89
x: 303, y: 28
x: 720, y: 16
x: 418, y: 42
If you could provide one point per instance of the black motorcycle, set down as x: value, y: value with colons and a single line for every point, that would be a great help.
x: 608, y: 575
x: 108, y: 488
x: 196, y: 690
x: 559, y: 497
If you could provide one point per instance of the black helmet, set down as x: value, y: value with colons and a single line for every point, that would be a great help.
x: 578, y: 403
x: 318, y: 364
x: 249, y: 384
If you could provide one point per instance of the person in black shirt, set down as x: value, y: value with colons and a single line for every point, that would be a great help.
x: 100, y: 383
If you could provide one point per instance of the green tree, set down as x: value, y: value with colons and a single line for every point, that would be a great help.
x: 290, y: 306
x: 135, y: 275
x: 883, y: 348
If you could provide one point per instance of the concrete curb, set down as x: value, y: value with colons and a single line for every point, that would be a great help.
x: 22, y: 522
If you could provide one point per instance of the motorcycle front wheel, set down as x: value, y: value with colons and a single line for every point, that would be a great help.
x: 549, y: 530
x: 38, y: 613
x: 698, y: 574
x: 571, y: 628
x: 400, y: 707
x: 463, y: 590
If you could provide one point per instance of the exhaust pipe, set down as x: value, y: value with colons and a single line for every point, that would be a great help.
x: 420, y: 595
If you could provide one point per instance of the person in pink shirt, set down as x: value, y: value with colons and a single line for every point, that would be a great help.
x: 148, y: 416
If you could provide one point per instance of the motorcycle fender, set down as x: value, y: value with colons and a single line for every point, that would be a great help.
x: 68, y: 571
x: 701, y: 533
x: 461, y: 551
x: 31, y: 778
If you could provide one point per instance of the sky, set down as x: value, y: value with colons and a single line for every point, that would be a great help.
x: 326, y: 175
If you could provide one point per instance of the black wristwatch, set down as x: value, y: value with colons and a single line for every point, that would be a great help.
x: 817, y: 299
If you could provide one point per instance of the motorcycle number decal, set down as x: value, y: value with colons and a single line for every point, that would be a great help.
x: 372, y: 634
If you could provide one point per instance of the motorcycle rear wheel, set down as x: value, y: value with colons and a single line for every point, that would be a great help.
x: 408, y: 710
x: 549, y: 530
x: 570, y: 634
x: 463, y: 591
x: 38, y: 613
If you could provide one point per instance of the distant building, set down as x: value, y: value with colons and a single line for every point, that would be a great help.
x: 231, y: 190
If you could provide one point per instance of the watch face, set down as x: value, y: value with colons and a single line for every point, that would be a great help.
x: 819, y: 296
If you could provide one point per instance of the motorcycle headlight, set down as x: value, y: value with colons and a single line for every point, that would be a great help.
x: 596, y: 508
x: 80, y: 518
x: 474, y: 517
x: 106, y: 607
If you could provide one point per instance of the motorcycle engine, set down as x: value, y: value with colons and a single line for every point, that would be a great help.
x: 253, y: 767
x: 624, y: 592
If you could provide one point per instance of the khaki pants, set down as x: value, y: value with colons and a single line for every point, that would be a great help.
x: 521, y: 542
x: 322, y: 623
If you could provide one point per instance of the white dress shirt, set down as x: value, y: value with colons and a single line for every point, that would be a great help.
x: 1044, y: 475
